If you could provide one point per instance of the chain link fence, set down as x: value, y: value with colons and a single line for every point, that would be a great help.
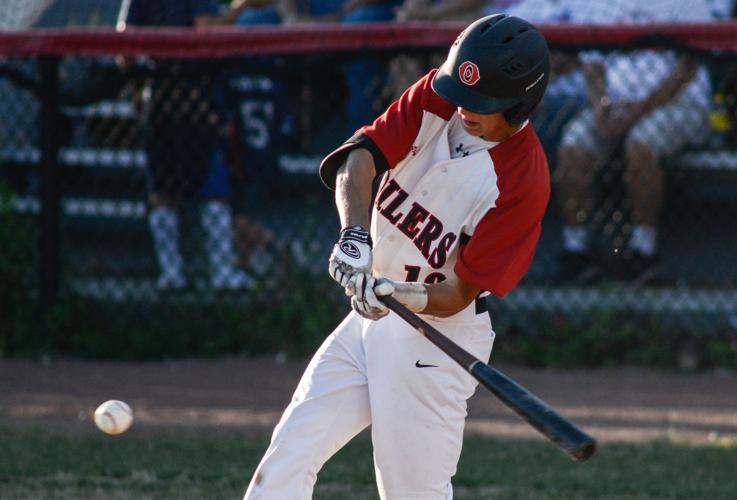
x: 166, y: 205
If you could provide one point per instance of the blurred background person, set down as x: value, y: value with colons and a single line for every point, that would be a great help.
x: 261, y: 124
x: 264, y: 117
x: 648, y: 104
x: 365, y: 76
x: 180, y: 141
x: 257, y: 122
x: 405, y: 69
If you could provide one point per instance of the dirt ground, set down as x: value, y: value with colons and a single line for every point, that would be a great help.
x: 613, y: 404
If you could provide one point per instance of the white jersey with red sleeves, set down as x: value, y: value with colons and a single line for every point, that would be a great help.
x: 450, y: 202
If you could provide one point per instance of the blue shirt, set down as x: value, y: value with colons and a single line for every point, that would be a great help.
x: 168, y: 12
x: 323, y: 7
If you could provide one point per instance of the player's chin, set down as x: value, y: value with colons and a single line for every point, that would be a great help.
x: 473, y: 128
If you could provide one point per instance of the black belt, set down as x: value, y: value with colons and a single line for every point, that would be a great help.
x: 481, y: 305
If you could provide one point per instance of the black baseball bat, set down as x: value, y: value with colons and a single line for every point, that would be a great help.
x: 561, y: 431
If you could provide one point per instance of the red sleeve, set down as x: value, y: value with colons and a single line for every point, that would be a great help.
x: 395, y: 131
x: 500, y: 251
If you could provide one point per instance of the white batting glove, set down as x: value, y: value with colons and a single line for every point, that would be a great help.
x: 367, y: 290
x: 351, y: 255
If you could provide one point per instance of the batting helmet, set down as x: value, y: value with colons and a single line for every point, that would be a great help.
x: 499, y: 63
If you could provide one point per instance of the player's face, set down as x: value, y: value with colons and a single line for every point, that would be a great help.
x: 493, y: 127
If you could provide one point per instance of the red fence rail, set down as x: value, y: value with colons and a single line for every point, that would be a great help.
x: 262, y: 40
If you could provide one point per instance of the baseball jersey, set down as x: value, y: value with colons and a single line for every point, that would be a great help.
x: 257, y: 101
x: 449, y: 202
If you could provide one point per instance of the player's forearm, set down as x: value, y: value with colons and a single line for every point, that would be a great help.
x: 449, y: 297
x: 353, y: 189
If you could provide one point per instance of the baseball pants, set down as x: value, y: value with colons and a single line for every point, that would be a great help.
x: 384, y: 374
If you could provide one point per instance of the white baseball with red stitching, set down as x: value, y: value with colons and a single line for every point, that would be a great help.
x: 113, y: 417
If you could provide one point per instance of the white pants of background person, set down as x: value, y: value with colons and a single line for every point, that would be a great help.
x: 667, y: 129
x: 366, y: 373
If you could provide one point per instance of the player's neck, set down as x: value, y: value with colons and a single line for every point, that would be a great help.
x: 502, y: 133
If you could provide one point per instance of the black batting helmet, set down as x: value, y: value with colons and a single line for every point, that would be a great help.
x: 499, y: 63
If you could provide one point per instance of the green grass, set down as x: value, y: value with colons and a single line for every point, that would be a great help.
x: 217, y: 464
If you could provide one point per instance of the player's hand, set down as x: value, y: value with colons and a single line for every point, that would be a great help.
x: 368, y: 289
x: 351, y: 255
x: 617, y: 119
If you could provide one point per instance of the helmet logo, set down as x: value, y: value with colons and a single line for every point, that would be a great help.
x: 535, y: 82
x: 468, y: 72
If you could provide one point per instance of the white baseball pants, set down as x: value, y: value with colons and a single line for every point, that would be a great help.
x: 367, y: 373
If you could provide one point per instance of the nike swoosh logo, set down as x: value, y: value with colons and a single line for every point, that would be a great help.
x: 420, y: 365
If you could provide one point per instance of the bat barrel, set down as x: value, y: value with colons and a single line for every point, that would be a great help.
x: 570, y: 438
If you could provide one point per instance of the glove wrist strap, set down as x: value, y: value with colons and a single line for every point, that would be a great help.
x: 356, y: 233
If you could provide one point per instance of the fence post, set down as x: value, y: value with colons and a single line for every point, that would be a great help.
x: 49, y: 240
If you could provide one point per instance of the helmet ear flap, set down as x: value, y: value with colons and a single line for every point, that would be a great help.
x: 514, y: 115
x: 521, y: 112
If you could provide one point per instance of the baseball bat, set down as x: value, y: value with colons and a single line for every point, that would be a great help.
x: 557, y: 428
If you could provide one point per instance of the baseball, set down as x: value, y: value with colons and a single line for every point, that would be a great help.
x: 113, y: 417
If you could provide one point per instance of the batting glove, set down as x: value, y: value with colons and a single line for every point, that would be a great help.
x: 351, y: 255
x: 368, y: 290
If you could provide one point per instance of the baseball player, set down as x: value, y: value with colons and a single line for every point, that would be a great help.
x: 183, y: 162
x: 464, y: 184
